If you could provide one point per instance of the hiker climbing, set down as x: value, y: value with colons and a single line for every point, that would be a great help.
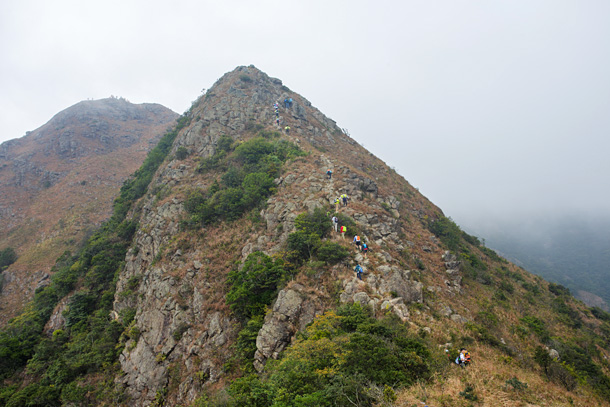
x: 287, y: 129
x: 463, y: 358
x: 344, y: 198
x: 277, y: 121
x: 365, y: 249
x: 358, y: 269
x: 335, y: 223
x: 337, y: 201
x: 343, y: 231
x: 329, y: 173
x: 290, y: 102
x: 286, y: 103
x: 357, y: 241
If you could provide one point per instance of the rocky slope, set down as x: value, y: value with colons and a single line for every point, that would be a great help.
x: 181, y: 287
x: 171, y: 334
x: 181, y: 275
x: 57, y: 184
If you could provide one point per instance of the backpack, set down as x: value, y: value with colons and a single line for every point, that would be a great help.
x: 358, y: 269
x: 466, y: 357
x: 357, y: 238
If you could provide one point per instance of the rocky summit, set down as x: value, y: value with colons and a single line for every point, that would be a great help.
x: 226, y: 277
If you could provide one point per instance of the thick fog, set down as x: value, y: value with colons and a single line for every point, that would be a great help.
x: 495, y: 110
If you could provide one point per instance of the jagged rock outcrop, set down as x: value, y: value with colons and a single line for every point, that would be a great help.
x: 291, y: 312
x: 454, y: 278
x: 175, y: 282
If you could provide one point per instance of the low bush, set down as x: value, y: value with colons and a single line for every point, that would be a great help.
x: 447, y: 231
x: 537, y: 326
x: 338, y: 359
x: 7, y: 257
x: 558, y: 289
x: 331, y: 252
x: 247, y: 174
x: 252, y: 288
x: 181, y: 153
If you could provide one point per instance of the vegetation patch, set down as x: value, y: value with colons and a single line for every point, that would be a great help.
x: 246, y: 181
x: 339, y: 358
x: 90, y: 343
x: 7, y: 257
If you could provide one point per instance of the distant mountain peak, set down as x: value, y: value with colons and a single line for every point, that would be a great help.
x: 59, y: 181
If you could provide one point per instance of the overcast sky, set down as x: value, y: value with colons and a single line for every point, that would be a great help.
x: 491, y: 108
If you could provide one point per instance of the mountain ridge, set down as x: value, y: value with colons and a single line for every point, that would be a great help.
x: 219, y: 281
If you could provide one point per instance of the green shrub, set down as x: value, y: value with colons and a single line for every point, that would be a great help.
x: 35, y: 394
x: 233, y: 177
x: 542, y: 358
x: 336, y: 361
x: 7, y: 257
x: 253, y: 151
x: 473, y: 240
x: 507, y: 287
x: 224, y: 143
x: 246, y: 183
x: 254, y: 286
x: 568, y: 315
x: 492, y: 254
x: 245, y: 346
x: 600, y: 314
x: 250, y: 391
x: 558, y: 289
x: 80, y: 306
x: 316, y: 222
x: 447, y: 231
x: 181, y: 153
x: 469, y: 394
x: 180, y: 330
x: 537, y: 326
x: 516, y: 384
x: 533, y: 288
x: 257, y: 187
x: 331, y: 252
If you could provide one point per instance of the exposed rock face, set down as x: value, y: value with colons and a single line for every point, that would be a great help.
x: 454, y: 278
x: 177, y: 290
x: 291, y: 313
x: 58, y: 182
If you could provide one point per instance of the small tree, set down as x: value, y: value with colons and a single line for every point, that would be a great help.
x: 254, y: 286
x: 7, y: 257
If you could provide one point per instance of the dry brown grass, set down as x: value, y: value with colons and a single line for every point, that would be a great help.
x: 488, y: 376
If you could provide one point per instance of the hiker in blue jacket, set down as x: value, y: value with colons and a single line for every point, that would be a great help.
x: 358, y: 269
